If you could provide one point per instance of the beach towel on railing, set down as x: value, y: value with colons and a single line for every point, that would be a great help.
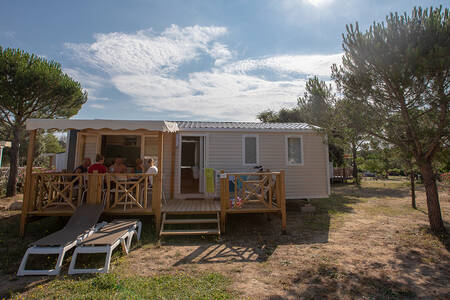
x: 209, y: 176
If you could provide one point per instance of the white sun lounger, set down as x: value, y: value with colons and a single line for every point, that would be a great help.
x: 81, y: 225
x: 105, y: 241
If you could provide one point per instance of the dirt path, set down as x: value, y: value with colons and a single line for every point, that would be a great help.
x: 369, y: 243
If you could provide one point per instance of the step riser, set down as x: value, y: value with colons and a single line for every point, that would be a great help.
x: 186, y: 232
x: 190, y: 221
x: 210, y: 232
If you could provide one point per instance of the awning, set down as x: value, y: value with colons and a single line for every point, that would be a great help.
x: 64, y: 124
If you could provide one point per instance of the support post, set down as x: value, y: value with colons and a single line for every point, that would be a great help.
x: 28, y: 183
x: 172, y: 171
x: 51, y: 162
x: 223, y: 200
x: 95, y: 183
x: 282, y: 189
x: 157, y: 184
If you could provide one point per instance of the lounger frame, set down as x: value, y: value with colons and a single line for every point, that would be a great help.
x: 60, y: 250
x: 125, y: 241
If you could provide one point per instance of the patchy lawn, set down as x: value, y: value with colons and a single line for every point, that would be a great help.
x: 360, y: 243
x: 114, y: 286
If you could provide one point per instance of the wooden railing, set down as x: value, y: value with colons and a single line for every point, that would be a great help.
x: 119, y: 192
x: 253, y: 192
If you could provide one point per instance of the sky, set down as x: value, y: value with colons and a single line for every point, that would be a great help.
x: 189, y: 60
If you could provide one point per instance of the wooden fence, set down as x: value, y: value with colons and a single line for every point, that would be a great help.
x: 127, y: 193
x: 254, y: 192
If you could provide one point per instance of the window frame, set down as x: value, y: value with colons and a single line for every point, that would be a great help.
x: 287, y: 137
x: 243, y: 149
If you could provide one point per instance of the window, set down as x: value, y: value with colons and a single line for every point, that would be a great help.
x: 250, y: 150
x: 294, y: 150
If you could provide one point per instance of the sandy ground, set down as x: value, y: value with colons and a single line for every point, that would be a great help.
x: 373, y: 244
x: 365, y: 244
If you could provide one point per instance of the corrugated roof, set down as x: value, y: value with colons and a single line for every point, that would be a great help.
x: 197, y: 125
x: 167, y: 126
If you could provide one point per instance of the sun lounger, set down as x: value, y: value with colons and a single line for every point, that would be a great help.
x: 105, y: 241
x: 81, y: 225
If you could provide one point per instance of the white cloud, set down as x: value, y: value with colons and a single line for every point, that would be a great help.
x: 289, y: 4
x: 145, y: 65
x: 90, y: 82
x: 299, y: 64
x: 98, y: 98
x: 318, y: 3
x: 145, y: 52
x: 97, y: 106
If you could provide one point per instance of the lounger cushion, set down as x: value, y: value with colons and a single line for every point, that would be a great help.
x: 109, y: 233
x: 82, y: 221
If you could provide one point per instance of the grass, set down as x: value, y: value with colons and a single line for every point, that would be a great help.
x: 113, y: 286
x: 103, y: 286
x: 12, y: 247
x: 329, y: 213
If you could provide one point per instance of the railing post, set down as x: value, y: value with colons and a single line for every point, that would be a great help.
x: 28, y: 183
x: 157, y: 183
x: 32, y: 195
x: 223, y: 200
x: 145, y: 190
x: 94, y: 188
x: 108, y: 191
x: 156, y: 201
x: 282, y: 193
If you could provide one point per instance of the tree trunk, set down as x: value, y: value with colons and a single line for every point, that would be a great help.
x: 344, y: 176
x: 11, y: 187
x: 434, y: 209
x: 355, y: 166
x: 413, y: 189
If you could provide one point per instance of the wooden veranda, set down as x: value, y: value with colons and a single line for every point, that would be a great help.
x: 59, y: 194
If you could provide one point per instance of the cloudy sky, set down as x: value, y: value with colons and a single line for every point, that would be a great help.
x: 181, y: 60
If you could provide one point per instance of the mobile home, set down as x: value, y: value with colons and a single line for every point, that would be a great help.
x: 205, y: 167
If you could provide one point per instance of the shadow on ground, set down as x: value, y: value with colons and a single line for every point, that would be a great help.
x: 254, y: 237
x: 330, y: 281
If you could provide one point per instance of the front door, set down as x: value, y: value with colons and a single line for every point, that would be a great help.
x: 192, y: 166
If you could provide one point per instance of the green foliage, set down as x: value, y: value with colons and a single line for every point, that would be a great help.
x: 398, y: 73
x: 51, y: 144
x: 315, y: 108
x: 32, y: 87
x: 284, y: 115
x: 316, y: 103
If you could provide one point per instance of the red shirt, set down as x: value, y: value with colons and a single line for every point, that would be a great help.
x: 97, y: 167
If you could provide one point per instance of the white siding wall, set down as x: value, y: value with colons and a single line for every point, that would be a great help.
x: 224, y: 151
x: 90, y: 147
x: 309, y: 180
x: 167, y: 163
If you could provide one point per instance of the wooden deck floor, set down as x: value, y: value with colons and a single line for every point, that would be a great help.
x: 173, y: 206
x: 191, y: 206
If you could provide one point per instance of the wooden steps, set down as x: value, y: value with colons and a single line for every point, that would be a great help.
x: 182, y: 225
x: 190, y: 232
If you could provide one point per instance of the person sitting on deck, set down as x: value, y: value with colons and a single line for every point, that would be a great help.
x: 98, y: 166
x: 83, y: 168
x: 118, y: 166
x: 152, y: 169
x: 139, y: 166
